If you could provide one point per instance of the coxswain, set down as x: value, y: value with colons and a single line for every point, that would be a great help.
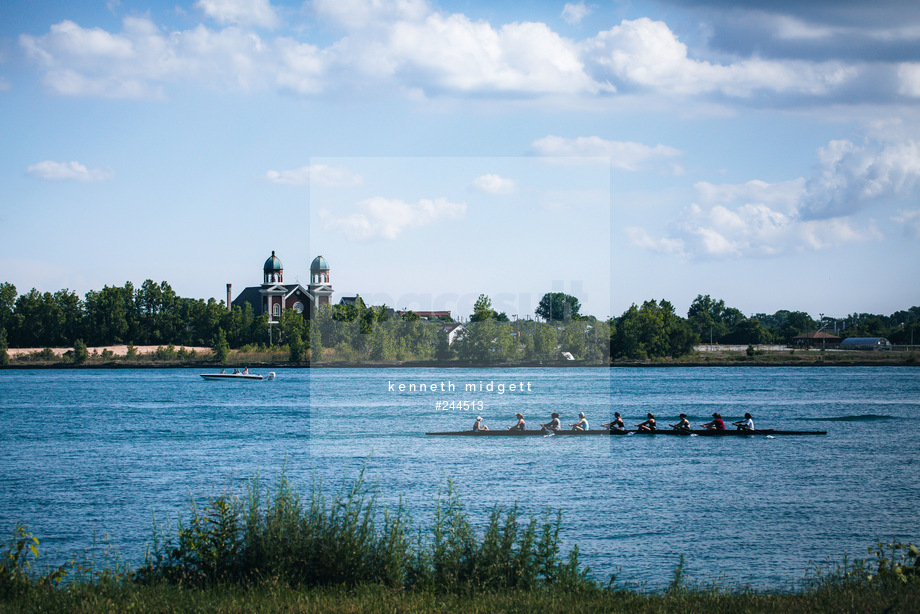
x: 682, y: 425
x: 648, y: 426
x: 478, y: 425
x: 716, y: 424
x: 617, y: 425
x: 554, y: 424
x: 745, y: 425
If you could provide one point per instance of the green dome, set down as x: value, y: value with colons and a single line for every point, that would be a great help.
x: 273, y: 264
x: 319, y: 264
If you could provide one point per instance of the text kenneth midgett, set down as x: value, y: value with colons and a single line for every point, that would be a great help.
x: 449, y: 386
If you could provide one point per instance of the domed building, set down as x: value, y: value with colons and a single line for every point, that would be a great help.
x: 274, y: 296
x: 320, y: 288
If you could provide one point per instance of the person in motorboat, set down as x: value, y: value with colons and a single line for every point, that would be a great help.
x: 478, y: 425
x: 554, y: 424
x: 521, y: 425
x: 617, y: 425
x: 236, y: 372
x: 246, y: 371
x: 648, y: 426
x: 716, y: 424
x: 223, y: 371
x: 682, y: 425
x: 582, y: 424
x: 745, y: 425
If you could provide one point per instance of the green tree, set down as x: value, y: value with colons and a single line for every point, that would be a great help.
x: 220, y: 348
x: 80, y: 353
x: 558, y: 307
x: 107, y: 314
x: 443, y: 351
x: 795, y: 323
x: 652, y: 331
x: 482, y: 309
x: 381, y: 345
x: 748, y: 331
x: 316, y: 340
x: 545, y: 340
x: 8, y: 296
x: 296, y: 345
x: 574, y: 339
x: 486, y: 341
x: 4, y: 347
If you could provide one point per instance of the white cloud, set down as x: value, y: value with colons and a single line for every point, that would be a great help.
x: 850, y: 177
x: 139, y: 61
x: 494, y: 184
x: 748, y: 230
x: 419, y: 51
x: 59, y: 171
x: 241, y: 12
x: 647, y: 54
x: 384, y: 218
x: 909, y: 78
x: 455, y: 53
x: 358, y: 14
x: 625, y: 155
x: 317, y: 174
x: 574, y: 13
x: 910, y: 222
x: 784, y: 196
x: 639, y: 237
x: 763, y: 219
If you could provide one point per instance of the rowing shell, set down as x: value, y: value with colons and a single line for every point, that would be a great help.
x: 704, y: 433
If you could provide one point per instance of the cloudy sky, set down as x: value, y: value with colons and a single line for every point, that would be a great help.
x: 766, y: 153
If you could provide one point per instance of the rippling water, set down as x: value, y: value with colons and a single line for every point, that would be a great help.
x: 86, y: 454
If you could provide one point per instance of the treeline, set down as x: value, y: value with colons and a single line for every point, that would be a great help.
x: 154, y: 315
x: 654, y: 330
x: 362, y: 333
x: 149, y: 315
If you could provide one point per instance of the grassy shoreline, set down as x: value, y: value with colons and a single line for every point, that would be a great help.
x: 274, y: 550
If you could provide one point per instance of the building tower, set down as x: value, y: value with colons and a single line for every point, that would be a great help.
x: 273, y: 291
x: 320, y: 287
x: 273, y: 270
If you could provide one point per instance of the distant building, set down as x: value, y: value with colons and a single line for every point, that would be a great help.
x: 274, y: 296
x: 454, y: 330
x: 428, y: 315
x: 865, y: 343
x: 816, y: 340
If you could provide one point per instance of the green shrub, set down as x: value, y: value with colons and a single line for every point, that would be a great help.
x: 349, y: 541
x: 16, y: 566
x: 167, y: 353
x: 80, y: 353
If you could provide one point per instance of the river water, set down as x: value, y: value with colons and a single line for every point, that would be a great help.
x: 90, y: 456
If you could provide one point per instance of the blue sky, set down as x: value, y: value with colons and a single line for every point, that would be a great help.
x: 765, y: 153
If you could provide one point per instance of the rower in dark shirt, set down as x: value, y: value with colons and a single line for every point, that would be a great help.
x: 617, y: 425
x: 683, y: 425
x: 554, y: 424
x: 647, y: 426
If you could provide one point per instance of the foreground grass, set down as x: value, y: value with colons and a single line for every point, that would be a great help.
x: 278, y: 551
x: 272, y: 596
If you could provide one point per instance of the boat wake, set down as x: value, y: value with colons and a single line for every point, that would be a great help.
x: 860, y: 418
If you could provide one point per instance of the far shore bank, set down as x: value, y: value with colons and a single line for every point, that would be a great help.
x: 158, y: 357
